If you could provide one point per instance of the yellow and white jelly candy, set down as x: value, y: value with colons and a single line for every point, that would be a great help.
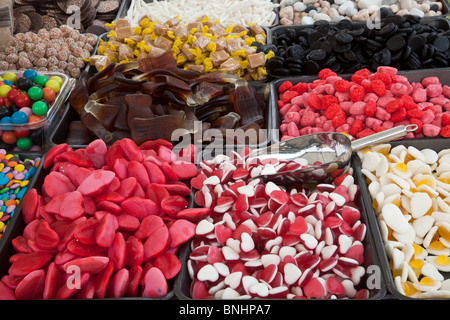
x: 441, y: 262
x: 394, y: 218
x: 411, y: 198
x: 420, y: 204
x: 427, y: 284
x: 422, y: 225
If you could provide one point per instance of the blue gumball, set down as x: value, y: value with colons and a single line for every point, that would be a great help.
x: 30, y: 74
x: 19, y: 117
x: 6, y: 120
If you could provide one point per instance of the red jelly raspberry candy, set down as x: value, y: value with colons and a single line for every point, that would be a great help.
x: 394, y: 105
x: 357, y: 126
x: 332, y: 110
x: 378, y: 87
x: 325, y: 73
x: 300, y: 87
x: 445, y: 118
x: 398, y: 115
x: 328, y: 100
x: 370, y: 108
x: 314, y: 101
x: 288, y: 96
x: 445, y: 131
x: 285, y: 86
x: 339, y: 120
x: 357, y: 93
x: 341, y: 85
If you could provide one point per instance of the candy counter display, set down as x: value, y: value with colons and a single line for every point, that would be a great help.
x: 262, y: 12
x: 62, y: 49
x: 93, y: 14
x: 362, y: 103
x: 159, y: 100
x: 306, y: 12
x: 406, y: 43
x: 263, y: 240
x: 405, y: 187
x: 201, y: 46
x: 122, y: 228
x: 30, y: 105
x: 143, y: 218
x: 17, y: 175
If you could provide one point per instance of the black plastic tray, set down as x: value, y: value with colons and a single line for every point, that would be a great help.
x: 445, y: 10
x: 413, y: 76
x: 434, y: 144
x: 125, y: 5
x: 60, y: 132
x: 437, y: 22
x: 371, y: 258
x: 17, y: 225
x: 12, y: 226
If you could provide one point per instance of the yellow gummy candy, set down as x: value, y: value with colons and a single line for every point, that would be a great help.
x: 211, y: 47
x: 408, y: 289
x: 145, y: 23
x: 426, y: 281
x: 402, y: 167
x: 442, y: 260
x: 437, y: 245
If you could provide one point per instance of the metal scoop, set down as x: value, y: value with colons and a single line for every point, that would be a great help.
x: 323, y: 153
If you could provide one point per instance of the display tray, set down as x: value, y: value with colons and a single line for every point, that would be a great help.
x: 12, y: 229
x: 69, y: 115
x: 125, y: 5
x: 17, y: 225
x: 440, y: 23
x: 42, y: 127
x: 434, y: 144
x: 374, y: 277
x: 413, y: 76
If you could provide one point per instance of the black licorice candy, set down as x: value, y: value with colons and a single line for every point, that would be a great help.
x: 404, y: 42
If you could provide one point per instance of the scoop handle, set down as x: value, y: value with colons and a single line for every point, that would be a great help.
x: 383, y: 136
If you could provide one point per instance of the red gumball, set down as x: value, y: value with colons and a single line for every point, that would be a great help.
x: 12, y: 94
x: 21, y: 133
x: 22, y: 100
x: 2, y: 101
